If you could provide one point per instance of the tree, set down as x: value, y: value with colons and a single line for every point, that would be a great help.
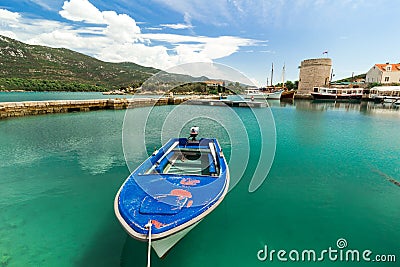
x: 296, y: 85
x: 289, y: 85
x: 370, y: 85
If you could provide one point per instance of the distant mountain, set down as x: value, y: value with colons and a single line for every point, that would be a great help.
x: 24, y: 66
x: 41, y: 68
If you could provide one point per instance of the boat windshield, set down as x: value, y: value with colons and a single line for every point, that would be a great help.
x: 187, y: 161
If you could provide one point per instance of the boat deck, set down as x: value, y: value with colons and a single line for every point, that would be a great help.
x: 186, y: 161
x: 193, y: 168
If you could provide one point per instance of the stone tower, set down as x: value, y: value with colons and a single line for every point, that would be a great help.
x: 314, y: 73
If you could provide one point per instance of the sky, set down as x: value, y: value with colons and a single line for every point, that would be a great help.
x: 247, y: 35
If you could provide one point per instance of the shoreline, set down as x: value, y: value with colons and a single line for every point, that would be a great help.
x: 111, y: 94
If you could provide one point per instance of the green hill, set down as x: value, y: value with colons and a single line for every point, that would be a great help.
x: 354, y: 78
x: 33, y: 67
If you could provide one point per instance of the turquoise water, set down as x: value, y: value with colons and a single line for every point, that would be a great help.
x: 59, y: 175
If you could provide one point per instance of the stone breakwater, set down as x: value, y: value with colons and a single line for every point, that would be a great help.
x: 28, y: 108
x: 18, y: 109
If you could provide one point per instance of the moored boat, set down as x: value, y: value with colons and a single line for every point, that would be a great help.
x: 176, y: 187
x: 114, y: 92
x: 288, y: 94
x: 337, y: 94
x: 385, y: 94
x: 260, y: 94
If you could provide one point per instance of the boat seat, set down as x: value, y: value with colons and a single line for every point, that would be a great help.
x: 163, y: 163
x: 212, y: 168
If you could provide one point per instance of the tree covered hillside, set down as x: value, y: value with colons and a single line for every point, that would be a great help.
x: 31, y: 67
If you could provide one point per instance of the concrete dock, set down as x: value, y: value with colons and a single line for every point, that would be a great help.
x: 229, y: 103
x: 28, y: 108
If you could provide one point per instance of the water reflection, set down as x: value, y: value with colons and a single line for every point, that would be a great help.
x: 365, y: 107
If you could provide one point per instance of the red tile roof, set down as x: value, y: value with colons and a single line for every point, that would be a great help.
x: 382, y: 67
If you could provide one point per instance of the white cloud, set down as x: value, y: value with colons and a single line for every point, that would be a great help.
x: 178, y: 26
x: 81, y: 10
x: 138, y: 53
x: 238, y: 5
x: 46, y: 4
x: 211, y: 12
x: 9, y: 34
x: 267, y: 51
x: 6, y: 15
x: 187, y: 18
x: 59, y: 38
x: 120, y: 27
x: 154, y: 28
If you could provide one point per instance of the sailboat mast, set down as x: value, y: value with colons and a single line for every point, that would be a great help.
x: 272, y: 72
x: 283, y: 76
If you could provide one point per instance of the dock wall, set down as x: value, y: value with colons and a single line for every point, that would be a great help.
x: 28, y: 108
x: 18, y: 109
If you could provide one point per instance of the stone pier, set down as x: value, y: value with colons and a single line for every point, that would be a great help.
x: 26, y: 108
x: 18, y: 109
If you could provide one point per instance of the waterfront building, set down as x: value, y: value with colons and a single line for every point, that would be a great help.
x: 214, y: 83
x: 314, y: 73
x: 384, y: 73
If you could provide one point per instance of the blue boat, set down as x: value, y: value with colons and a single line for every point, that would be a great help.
x: 176, y: 187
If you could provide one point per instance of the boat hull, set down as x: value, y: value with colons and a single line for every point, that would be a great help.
x: 387, y: 99
x: 288, y: 94
x: 334, y: 97
x: 260, y: 96
x: 171, y: 202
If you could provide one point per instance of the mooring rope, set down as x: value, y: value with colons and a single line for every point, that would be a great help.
x: 148, y: 225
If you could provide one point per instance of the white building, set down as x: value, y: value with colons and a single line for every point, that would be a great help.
x: 214, y: 83
x: 384, y: 73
